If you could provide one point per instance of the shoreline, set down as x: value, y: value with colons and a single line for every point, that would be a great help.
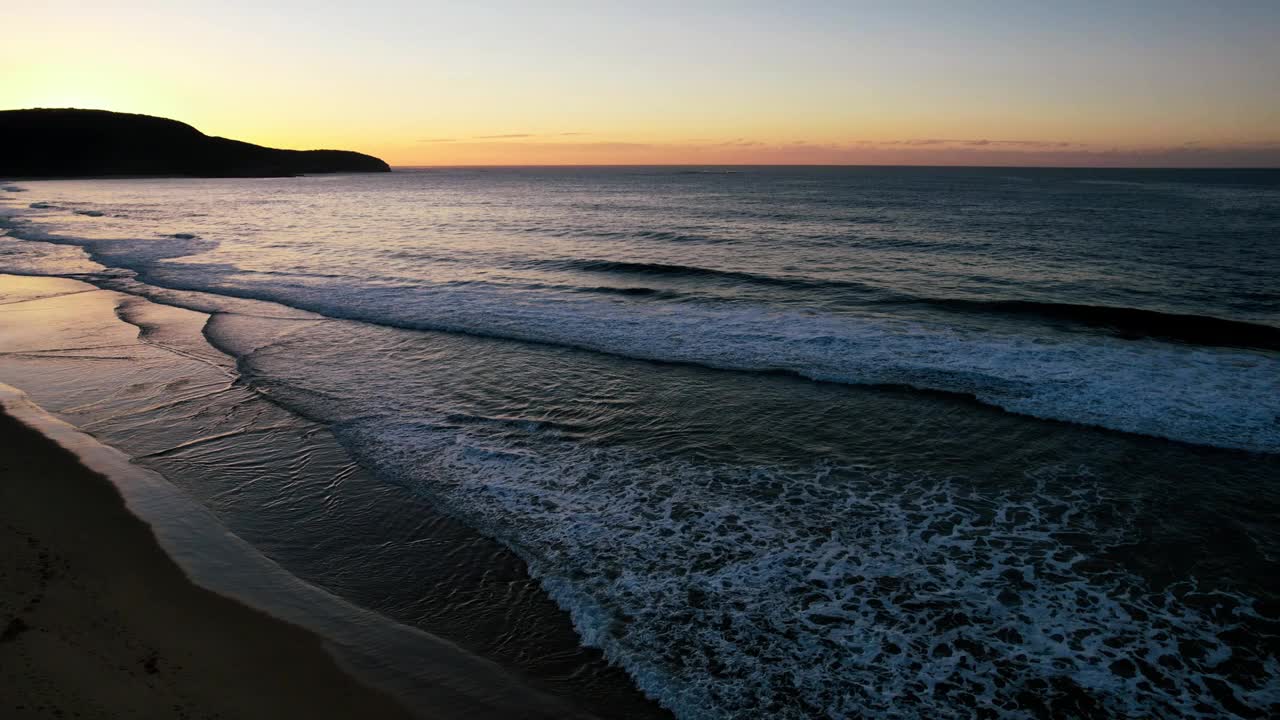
x: 99, y: 621
x: 132, y: 344
x: 110, y: 560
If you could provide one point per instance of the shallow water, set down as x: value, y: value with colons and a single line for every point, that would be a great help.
x: 786, y: 442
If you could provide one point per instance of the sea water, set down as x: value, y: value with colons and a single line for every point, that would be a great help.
x: 782, y: 442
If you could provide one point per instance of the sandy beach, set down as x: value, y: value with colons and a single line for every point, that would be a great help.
x: 99, y: 623
x: 68, y: 352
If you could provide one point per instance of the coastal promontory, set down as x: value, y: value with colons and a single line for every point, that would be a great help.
x: 94, y: 143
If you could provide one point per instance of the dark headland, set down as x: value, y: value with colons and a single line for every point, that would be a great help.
x: 95, y: 143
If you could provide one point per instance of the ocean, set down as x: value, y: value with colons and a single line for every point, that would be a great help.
x: 758, y: 441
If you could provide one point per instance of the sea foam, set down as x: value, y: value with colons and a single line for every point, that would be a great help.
x: 1223, y: 397
x: 1213, y: 396
x: 839, y: 592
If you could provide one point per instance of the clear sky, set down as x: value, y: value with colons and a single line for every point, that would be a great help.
x: 416, y: 82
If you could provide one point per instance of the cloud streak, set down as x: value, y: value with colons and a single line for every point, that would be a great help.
x: 983, y: 142
x: 503, y: 136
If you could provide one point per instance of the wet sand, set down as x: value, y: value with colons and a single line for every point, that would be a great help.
x: 96, y: 621
x: 142, y: 379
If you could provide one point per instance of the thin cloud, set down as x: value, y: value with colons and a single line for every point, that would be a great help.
x: 1019, y: 143
x: 602, y: 145
x: 912, y: 142
x: 978, y: 142
x: 504, y: 136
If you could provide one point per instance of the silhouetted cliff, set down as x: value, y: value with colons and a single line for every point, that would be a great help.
x: 70, y: 143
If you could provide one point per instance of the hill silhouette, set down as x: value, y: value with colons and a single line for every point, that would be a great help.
x: 79, y: 143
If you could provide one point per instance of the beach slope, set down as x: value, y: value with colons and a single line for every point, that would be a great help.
x: 96, y: 621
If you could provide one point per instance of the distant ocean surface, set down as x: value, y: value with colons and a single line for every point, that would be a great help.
x: 783, y: 442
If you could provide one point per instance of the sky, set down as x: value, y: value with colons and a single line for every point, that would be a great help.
x: 416, y: 82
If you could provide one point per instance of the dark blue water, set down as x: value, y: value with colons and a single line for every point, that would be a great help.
x: 783, y: 442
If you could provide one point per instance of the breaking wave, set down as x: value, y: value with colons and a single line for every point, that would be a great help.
x: 837, y: 592
x: 1222, y: 397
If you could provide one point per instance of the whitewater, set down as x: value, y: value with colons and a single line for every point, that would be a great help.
x: 876, y: 442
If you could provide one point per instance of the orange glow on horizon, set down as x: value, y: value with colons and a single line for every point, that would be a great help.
x: 441, y: 84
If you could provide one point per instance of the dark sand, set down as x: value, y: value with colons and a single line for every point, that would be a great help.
x: 96, y: 621
x: 46, y: 325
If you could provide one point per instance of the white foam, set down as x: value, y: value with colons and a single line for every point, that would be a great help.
x: 22, y: 257
x: 1213, y: 396
x: 834, y: 592
x: 442, y: 681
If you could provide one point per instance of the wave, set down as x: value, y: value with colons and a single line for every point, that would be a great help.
x: 828, y: 591
x: 1210, y: 396
x: 642, y: 268
x: 1213, y: 397
x: 678, y: 237
x: 1125, y: 322
x: 632, y: 291
x: 619, y: 267
x: 1128, y: 321
x: 596, y: 233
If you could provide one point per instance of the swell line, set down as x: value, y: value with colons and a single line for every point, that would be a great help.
x: 1154, y: 390
x: 1128, y: 322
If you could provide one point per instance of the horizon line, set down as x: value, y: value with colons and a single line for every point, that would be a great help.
x: 837, y: 165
